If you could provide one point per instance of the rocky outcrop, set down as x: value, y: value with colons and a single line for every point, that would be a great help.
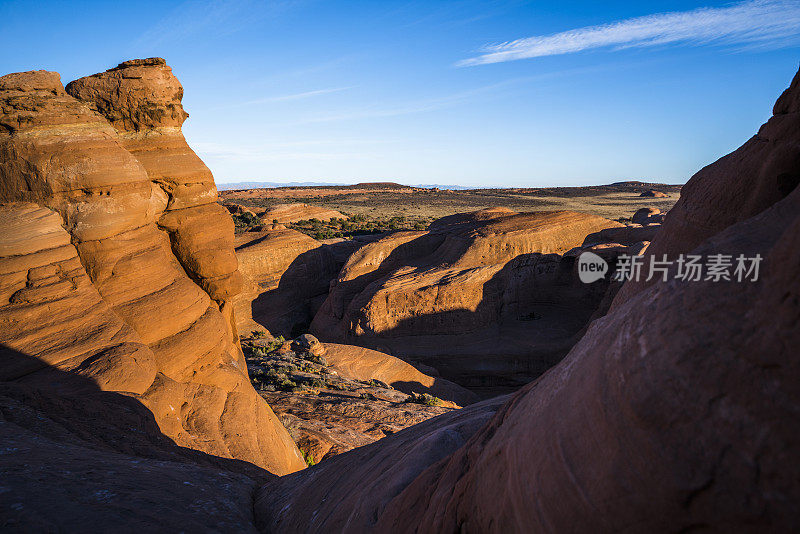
x: 287, y: 276
x: 142, y: 252
x: 333, y: 398
x: 675, y: 412
x: 365, y: 364
x: 645, y: 216
x: 142, y: 101
x: 292, y: 213
x: 652, y: 193
x: 486, y: 297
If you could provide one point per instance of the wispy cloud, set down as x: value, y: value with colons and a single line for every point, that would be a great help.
x: 416, y: 106
x: 750, y: 23
x: 297, y: 96
x: 208, y: 17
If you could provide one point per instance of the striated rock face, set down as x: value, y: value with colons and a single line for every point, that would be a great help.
x: 484, y: 297
x: 675, y: 412
x: 290, y: 213
x: 287, y: 274
x: 130, y: 235
x: 142, y: 101
x: 43, y: 284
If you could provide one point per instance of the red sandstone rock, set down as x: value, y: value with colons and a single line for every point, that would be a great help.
x: 644, y: 216
x: 286, y: 274
x: 175, y: 346
x: 482, y: 296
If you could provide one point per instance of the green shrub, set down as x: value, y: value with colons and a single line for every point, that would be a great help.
x: 425, y: 398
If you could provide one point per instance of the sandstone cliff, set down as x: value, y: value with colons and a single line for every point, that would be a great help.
x: 120, y: 224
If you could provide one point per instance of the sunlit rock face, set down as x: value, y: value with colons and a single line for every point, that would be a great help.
x: 486, y: 297
x: 147, y: 252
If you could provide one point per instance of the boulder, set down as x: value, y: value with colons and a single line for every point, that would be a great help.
x: 643, y: 216
x: 308, y: 343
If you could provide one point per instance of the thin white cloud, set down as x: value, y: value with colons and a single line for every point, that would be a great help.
x: 298, y: 96
x: 208, y: 17
x: 413, y: 107
x: 751, y: 23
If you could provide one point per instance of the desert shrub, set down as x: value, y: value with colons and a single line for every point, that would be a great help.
x: 308, y: 457
x: 257, y: 334
x: 245, y: 220
x: 425, y: 398
x: 288, y: 385
x: 316, y: 383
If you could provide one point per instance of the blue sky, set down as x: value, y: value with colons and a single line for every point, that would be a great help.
x: 476, y: 93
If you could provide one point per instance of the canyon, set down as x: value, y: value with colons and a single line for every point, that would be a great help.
x: 460, y: 377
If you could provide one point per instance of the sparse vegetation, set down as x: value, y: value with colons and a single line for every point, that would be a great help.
x: 308, y: 457
x: 425, y: 398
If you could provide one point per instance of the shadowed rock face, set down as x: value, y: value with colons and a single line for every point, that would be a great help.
x: 484, y: 297
x: 286, y: 274
x: 676, y: 411
x: 113, y: 289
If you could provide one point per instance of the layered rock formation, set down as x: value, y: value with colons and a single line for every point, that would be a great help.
x: 675, y: 412
x: 292, y: 213
x: 144, y: 251
x: 287, y: 275
x: 485, y: 297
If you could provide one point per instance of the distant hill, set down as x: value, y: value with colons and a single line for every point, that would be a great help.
x: 361, y: 185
